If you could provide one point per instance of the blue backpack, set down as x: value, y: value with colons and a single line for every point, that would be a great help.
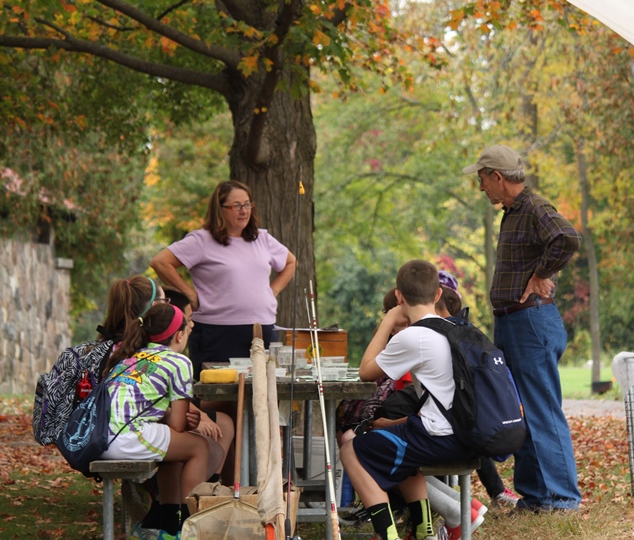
x: 486, y: 413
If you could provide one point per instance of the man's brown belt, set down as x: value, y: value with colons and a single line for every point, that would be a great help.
x: 500, y: 312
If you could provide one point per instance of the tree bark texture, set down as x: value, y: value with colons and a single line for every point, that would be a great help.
x: 284, y: 157
x: 595, y: 330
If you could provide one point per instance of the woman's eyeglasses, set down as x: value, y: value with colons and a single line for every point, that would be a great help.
x: 166, y: 300
x: 237, y: 206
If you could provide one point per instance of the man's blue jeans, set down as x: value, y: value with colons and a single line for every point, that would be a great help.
x: 533, y: 341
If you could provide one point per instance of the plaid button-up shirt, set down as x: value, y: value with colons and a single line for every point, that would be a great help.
x: 534, y: 239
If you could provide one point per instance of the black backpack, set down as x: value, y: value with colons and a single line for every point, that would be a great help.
x: 486, y: 413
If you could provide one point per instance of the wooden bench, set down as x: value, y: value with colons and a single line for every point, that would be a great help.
x: 109, y: 470
x: 463, y: 471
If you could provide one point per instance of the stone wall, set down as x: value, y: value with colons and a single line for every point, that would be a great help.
x: 34, y: 310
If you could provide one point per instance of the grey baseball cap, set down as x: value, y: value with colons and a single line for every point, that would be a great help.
x: 498, y: 157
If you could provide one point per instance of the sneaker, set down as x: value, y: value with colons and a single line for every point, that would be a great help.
x: 478, y: 507
x: 454, y: 533
x: 506, y: 498
x: 142, y: 533
x: 356, y: 517
x: 164, y: 535
x: 411, y: 535
x: 437, y: 520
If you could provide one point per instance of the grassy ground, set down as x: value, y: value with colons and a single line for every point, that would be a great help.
x: 576, y: 383
x: 42, y: 498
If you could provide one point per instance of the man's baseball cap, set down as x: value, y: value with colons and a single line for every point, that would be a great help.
x: 498, y: 157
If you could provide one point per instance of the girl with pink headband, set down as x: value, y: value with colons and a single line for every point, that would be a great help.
x: 150, y: 385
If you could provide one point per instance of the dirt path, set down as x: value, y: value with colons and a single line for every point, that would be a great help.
x: 594, y: 407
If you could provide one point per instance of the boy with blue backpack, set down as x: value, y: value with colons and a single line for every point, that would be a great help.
x: 382, y: 459
x: 467, y: 407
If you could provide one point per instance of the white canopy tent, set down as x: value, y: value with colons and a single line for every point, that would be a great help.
x: 616, y: 14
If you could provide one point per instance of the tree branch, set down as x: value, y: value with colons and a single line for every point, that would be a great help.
x: 229, y: 57
x: 171, y: 8
x: 267, y: 91
x: 187, y: 76
x: 235, y: 9
x: 101, y: 22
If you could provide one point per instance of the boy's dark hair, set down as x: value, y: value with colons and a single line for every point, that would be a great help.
x: 418, y: 282
x: 450, y: 301
x: 177, y: 298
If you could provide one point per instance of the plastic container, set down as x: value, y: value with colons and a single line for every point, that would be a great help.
x: 332, y: 360
x: 274, y: 348
x: 285, y: 357
x: 331, y: 374
x: 236, y: 362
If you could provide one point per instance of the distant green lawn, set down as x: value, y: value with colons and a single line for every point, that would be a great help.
x: 576, y: 383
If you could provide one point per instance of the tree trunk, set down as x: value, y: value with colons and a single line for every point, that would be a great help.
x: 285, y: 155
x: 595, y: 330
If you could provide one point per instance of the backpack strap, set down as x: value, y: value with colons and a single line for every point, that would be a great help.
x: 104, y: 360
x: 443, y: 327
x: 462, y: 319
x: 133, y: 419
x: 110, y: 379
x: 440, y: 325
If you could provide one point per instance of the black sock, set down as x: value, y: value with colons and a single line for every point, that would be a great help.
x: 420, y: 518
x: 152, y: 518
x: 184, y: 513
x: 214, y: 478
x: 170, y: 518
x: 382, y: 521
x: 415, y: 514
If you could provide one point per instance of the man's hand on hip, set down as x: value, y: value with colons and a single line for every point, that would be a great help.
x: 536, y: 285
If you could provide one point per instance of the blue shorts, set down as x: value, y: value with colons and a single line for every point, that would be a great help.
x: 391, y: 455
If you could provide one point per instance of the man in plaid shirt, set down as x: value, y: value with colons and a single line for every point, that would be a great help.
x: 535, y: 243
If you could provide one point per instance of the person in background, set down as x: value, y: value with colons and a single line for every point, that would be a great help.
x: 230, y: 261
x: 534, y: 244
x: 150, y: 387
x: 448, y: 306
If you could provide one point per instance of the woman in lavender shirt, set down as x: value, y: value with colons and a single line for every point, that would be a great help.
x: 230, y: 261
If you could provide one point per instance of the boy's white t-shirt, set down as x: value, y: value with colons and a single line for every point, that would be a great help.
x: 427, y: 354
x: 232, y: 282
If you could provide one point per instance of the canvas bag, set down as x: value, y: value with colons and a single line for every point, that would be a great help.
x: 55, y: 391
x: 486, y: 413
